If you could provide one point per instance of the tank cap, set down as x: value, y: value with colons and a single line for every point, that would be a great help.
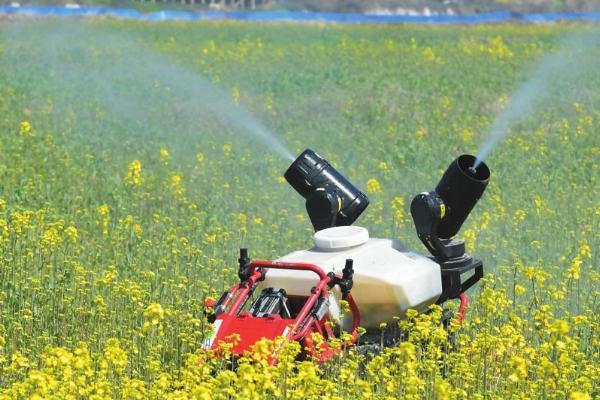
x: 341, y: 236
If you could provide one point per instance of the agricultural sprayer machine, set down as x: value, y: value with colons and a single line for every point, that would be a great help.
x: 301, y: 293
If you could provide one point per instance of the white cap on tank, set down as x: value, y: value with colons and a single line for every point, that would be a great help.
x: 340, y: 237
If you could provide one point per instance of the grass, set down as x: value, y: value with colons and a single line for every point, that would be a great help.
x: 123, y: 204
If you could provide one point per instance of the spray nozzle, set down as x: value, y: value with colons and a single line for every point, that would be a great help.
x: 438, y: 215
x: 331, y: 200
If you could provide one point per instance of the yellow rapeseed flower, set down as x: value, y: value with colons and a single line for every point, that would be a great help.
x: 467, y: 135
x: 429, y: 54
x: 103, y: 210
x: 383, y: 166
x: 25, y: 129
x: 134, y: 173
x: 50, y: 239
x: 164, y: 156
x: 519, y: 290
x: 155, y: 313
x: 576, y: 395
x: 373, y: 186
x: 176, y: 185
x: 574, y: 271
x: 71, y: 233
x: 115, y: 355
x: 18, y: 360
x: 470, y: 239
x: 585, y: 250
x: 398, y: 213
x: 520, y: 215
x: 421, y: 133
x: 560, y: 327
x: 104, y: 213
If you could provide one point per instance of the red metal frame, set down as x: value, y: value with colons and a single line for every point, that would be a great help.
x: 301, y: 328
x: 462, y: 308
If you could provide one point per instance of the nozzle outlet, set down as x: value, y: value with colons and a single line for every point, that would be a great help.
x: 460, y: 188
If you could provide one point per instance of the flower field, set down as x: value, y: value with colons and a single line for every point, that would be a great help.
x: 130, y: 176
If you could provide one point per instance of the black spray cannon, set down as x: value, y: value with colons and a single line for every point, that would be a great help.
x: 460, y: 188
x: 331, y: 200
x: 438, y: 216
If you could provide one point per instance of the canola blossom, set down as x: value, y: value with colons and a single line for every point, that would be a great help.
x: 114, y: 231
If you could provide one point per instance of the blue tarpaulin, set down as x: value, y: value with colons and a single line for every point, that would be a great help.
x: 295, y: 16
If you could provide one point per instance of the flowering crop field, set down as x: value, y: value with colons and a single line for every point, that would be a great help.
x: 123, y: 203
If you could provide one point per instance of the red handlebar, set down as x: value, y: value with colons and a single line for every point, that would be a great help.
x: 320, y: 288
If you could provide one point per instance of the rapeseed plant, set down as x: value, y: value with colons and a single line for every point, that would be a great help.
x: 109, y: 244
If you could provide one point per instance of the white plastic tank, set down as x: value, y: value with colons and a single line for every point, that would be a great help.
x: 388, y: 279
